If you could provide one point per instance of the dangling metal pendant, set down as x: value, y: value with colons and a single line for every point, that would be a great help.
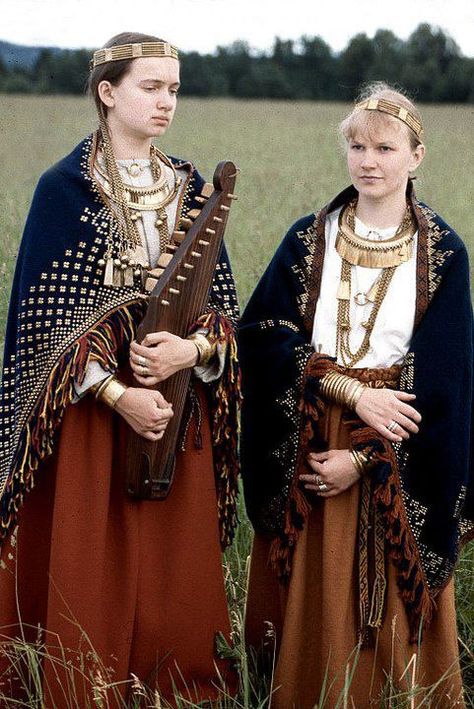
x: 134, y: 169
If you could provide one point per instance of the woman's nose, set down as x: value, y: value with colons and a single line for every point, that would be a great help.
x: 368, y: 159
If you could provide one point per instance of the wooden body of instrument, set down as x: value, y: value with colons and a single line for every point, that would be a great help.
x: 184, y: 278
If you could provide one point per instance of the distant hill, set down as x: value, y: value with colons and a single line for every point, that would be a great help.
x: 19, y: 56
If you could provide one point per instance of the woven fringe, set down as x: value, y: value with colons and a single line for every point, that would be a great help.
x: 387, y: 496
x: 37, y: 438
x: 226, y: 401
x: 298, y: 507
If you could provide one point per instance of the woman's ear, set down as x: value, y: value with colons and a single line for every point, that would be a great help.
x: 106, y: 93
x: 417, y: 156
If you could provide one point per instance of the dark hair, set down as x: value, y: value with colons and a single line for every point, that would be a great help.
x: 114, y: 71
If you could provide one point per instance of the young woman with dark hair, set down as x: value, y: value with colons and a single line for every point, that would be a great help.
x: 141, y: 580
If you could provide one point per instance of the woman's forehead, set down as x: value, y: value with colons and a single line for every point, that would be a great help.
x: 377, y: 128
x: 163, y: 69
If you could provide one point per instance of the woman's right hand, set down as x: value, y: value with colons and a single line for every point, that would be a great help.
x: 381, y: 408
x: 146, y: 411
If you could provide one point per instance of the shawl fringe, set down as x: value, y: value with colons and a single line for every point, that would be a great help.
x: 226, y: 399
x: 100, y: 343
x: 402, y: 548
x: 312, y: 408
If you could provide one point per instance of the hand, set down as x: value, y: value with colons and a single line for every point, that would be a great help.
x: 378, y: 408
x: 146, y: 411
x: 160, y: 355
x: 334, y: 469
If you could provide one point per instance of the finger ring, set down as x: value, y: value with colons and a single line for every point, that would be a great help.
x: 141, y: 361
x: 318, y: 480
x: 323, y: 487
x: 144, y: 369
x: 392, y: 426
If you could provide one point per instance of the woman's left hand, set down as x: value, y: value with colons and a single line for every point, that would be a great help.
x: 160, y: 355
x: 334, y: 469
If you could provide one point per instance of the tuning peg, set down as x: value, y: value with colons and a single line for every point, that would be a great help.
x: 196, y: 254
x: 172, y: 247
x: 231, y: 196
x: 210, y: 231
x: 165, y: 302
x: 186, y: 223
x: 203, y: 243
x: 188, y: 265
x: 224, y: 208
x: 217, y: 219
x: 175, y: 291
x: 194, y: 213
x: 207, y: 189
x: 181, y: 278
x: 179, y: 236
x: 200, y: 199
x: 164, y: 259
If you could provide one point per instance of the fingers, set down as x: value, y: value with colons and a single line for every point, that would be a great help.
x: 409, y: 411
x: 139, y: 351
x: 406, y: 423
x: 319, y: 457
x: 151, y: 436
x: 404, y: 396
x: 160, y: 400
x: 388, y: 435
x: 155, y: 338
x: 146, y: 381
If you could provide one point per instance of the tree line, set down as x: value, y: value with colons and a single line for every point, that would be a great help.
x: 429, y: 65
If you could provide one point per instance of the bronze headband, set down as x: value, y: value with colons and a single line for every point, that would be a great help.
x: 133, y: 51
x: 393, y: 109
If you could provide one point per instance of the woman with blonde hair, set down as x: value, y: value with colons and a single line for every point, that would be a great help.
x: 357, y: 353
x: 121, y: 586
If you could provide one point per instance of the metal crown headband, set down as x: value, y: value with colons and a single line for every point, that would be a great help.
x: 381, y: 104
x: 133, y: 51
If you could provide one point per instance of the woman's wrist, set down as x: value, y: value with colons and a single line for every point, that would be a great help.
x: 342, y: 389
x: 359, y: 461
x: 109, y: 391
x: 204, y: 348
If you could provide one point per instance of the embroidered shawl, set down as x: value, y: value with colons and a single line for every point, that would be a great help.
x: 62, y: 316
x: 424, y: 487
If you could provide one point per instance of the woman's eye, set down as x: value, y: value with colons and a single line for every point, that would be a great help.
x: 385, y: 148
x: 356, y: 146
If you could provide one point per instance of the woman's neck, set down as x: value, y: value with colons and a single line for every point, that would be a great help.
x: 381, y: 213
x: 128, y: 145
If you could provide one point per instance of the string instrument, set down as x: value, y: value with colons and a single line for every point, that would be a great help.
x: 179, y: 289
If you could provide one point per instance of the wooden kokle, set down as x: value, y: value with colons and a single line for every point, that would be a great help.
x: 179, y: 292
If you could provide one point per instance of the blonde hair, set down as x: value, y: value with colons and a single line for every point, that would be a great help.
x: 359, y: 119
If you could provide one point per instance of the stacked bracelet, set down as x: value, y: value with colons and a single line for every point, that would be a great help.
x: 203, y: 346
x: 109, y: 391
x: 360, y: 461
x: 342, y: 389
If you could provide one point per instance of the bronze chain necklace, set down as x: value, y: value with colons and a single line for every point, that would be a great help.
x: 386, y: 255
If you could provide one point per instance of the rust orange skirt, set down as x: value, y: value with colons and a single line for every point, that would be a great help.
x: 141, y: 582
x: 315, y: 618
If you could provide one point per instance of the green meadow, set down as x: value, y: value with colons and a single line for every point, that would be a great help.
x: 291, y: 162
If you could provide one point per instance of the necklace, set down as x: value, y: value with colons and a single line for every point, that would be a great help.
x: 126, y: 257
x: 374, y: 254
x: 379, y: 288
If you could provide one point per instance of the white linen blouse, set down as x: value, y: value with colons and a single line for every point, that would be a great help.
x: 393, y: 328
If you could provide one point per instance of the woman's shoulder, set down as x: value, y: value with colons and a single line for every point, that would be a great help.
x: 442, y: 234
x: 72, y: 167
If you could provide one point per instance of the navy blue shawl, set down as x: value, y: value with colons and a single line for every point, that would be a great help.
x: 62, y: 316
x: 424, y: 487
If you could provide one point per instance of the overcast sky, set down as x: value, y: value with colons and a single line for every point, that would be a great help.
x: 204, y: 24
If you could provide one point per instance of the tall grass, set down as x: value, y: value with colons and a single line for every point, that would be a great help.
x: 291, y: 164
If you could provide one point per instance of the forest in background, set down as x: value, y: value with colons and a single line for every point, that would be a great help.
x: 429, y: 65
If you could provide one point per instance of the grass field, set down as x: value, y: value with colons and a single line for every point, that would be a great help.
x: 291, y: 162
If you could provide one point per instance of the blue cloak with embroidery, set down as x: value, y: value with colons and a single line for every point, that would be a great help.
x: 62, y: 316
x: 424, y: 487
